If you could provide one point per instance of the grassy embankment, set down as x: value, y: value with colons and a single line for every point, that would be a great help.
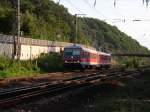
x: 45, y: 63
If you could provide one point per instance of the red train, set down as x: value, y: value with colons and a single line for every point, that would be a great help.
x: 76, y: 56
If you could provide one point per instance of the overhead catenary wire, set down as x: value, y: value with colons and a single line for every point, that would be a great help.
x: 69, y: 1
x: 129, y: 20
x: 115, y: 3
x: 146, y: 1
x: 94, y: 9
x: 122, y: 19
x: 94, y: 3
x: 100, y: 13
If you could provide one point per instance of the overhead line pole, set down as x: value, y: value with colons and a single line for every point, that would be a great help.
x: 18, y: 30
x: 16, y: 53
x: 18, y: 18
x: 76, y: 26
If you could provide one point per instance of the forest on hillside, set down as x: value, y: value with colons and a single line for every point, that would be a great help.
x: 44, y: 19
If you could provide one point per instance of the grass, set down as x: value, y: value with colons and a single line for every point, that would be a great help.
x: 45, y: 63
x: 14, y: 68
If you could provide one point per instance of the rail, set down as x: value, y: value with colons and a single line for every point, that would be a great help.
x: 13, y: 96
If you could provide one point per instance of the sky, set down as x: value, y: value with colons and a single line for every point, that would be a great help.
x: 123, y: 15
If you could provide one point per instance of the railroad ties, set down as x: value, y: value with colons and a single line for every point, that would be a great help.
x: 14, y: 96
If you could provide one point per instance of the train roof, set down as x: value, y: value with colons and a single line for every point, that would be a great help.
x: 73, y: 46
x: 91, y: 49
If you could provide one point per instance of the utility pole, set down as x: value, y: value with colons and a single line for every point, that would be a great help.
x: 103, y: 44
x: 18, y: 18
x: 76, y: 25
x: 76, y: 28
x: 16, y: 53
x: 18, y: 31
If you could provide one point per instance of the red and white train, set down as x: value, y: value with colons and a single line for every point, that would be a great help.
x: 76, y: 56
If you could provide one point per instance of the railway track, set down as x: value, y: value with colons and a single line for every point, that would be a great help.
x: 14, y: 96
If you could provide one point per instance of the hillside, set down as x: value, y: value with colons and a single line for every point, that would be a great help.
x: 46, y: 20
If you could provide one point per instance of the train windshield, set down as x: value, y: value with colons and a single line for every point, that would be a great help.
x: 71, y: 52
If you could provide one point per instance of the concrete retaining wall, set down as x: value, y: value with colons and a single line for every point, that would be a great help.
x: 30, y: 48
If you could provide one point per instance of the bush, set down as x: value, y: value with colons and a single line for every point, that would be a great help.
x: 50, y: 62
x: 132, y: 63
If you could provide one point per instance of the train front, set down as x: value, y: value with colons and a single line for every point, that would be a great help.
x: 71, y: 57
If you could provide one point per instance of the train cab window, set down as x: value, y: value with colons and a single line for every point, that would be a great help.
x: 67, y: 53
x: 76, y: 52
x: 70, y: 52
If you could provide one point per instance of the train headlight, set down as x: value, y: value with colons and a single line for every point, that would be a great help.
x: 65, y: 61
x: 78, y: 61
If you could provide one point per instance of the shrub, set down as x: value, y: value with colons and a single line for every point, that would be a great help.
x: 50, y: 62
